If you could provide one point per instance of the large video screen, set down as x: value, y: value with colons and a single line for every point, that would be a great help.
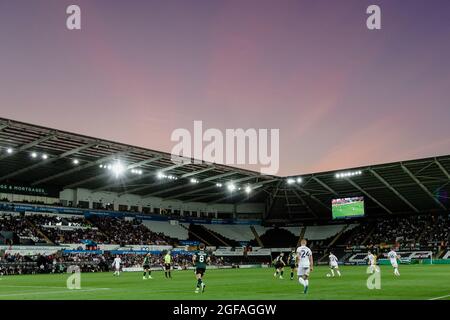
x: 345, y: 208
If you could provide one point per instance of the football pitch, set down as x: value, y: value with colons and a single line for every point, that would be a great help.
x: 424, y: 282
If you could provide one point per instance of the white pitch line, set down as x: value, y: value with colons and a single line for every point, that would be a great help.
x: 438, y: 298
x: 51, y: 292
x: 49, y: 287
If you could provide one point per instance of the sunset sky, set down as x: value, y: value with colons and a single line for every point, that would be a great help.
x: 340, y: 94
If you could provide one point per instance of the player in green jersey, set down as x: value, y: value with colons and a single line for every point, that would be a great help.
x: 200, y: 259
x: 146, y: 267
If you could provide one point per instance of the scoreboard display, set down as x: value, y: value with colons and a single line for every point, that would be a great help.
x: 345, y: 208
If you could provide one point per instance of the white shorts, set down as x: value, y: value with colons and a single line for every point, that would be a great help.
x: 334, y: 266
x: 117, y: 268
x: 303, y: 271
x: 394, y: 264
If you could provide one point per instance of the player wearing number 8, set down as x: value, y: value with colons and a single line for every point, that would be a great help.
x: 200, y: 260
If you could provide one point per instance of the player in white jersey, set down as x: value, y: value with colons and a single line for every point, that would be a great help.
x: 334, y: 265
x: 305, y: 264
x: 372, y: 262
x: 116, y: 265
x: 393, y: 256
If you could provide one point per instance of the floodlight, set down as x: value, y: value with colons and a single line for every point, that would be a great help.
x: 117, y: 168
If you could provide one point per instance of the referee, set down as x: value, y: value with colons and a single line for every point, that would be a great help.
x: 167, y: 265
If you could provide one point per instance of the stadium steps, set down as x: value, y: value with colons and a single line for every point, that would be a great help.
x: 39, y: 231
x: 372, y: 230
x: 336, y: 238
x: 195, y: 236
x: 302, y: 234
x: 332, y: 242
x: 216, y: 236
x: 230, y: 242
x: 258, y: 239
x: 424, y: 231
x: 99, y: 228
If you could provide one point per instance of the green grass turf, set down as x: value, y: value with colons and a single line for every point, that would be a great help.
x: 348, y: 210
x: 416, y: 282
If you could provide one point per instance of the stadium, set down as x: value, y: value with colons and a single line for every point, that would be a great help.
x: 71, y: 204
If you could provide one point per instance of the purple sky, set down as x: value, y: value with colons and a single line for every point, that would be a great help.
x: 340, y: 94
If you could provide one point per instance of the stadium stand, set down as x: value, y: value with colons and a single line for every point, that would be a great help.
x: 124, y: 232
x: 18, y: 226
x: 176, y: 231
x: 322, y: 232
x: 236, y: 232
x: 277, y: 238
x: 414, y: 217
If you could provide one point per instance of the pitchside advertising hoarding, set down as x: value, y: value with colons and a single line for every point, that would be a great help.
x: 18, y: 207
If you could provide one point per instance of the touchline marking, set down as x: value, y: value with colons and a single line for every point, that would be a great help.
x: 50, y: 287
x: 50, y: 292
x: 442, y: 297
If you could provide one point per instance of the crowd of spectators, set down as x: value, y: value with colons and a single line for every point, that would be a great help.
x: 407, y: 232
x: 124, y: 232
x: 88, y: 262
x: 20, y: 227
x: 70, y: 229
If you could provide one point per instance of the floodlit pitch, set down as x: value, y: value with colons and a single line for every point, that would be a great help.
x: 424, y: 282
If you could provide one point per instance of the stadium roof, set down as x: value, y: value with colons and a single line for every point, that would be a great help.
x: 421, y: 185
x: 62, y: 148
x: 414, y: 186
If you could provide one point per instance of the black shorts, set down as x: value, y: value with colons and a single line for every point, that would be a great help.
x: 146, y: 267
x: 200, y: 271
x: 279, y: 265
x: 292, y: 266
x: 167, y: 266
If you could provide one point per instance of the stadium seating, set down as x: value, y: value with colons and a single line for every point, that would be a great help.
x: 277, y: 238
x: 176, y: 231
x: 202, y: 234
x: 21, y: 228
x: 322, y: 232
x: 124, y: 232
x: 234, y: 232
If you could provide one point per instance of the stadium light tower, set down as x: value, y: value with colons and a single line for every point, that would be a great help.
x: 9, y: 150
